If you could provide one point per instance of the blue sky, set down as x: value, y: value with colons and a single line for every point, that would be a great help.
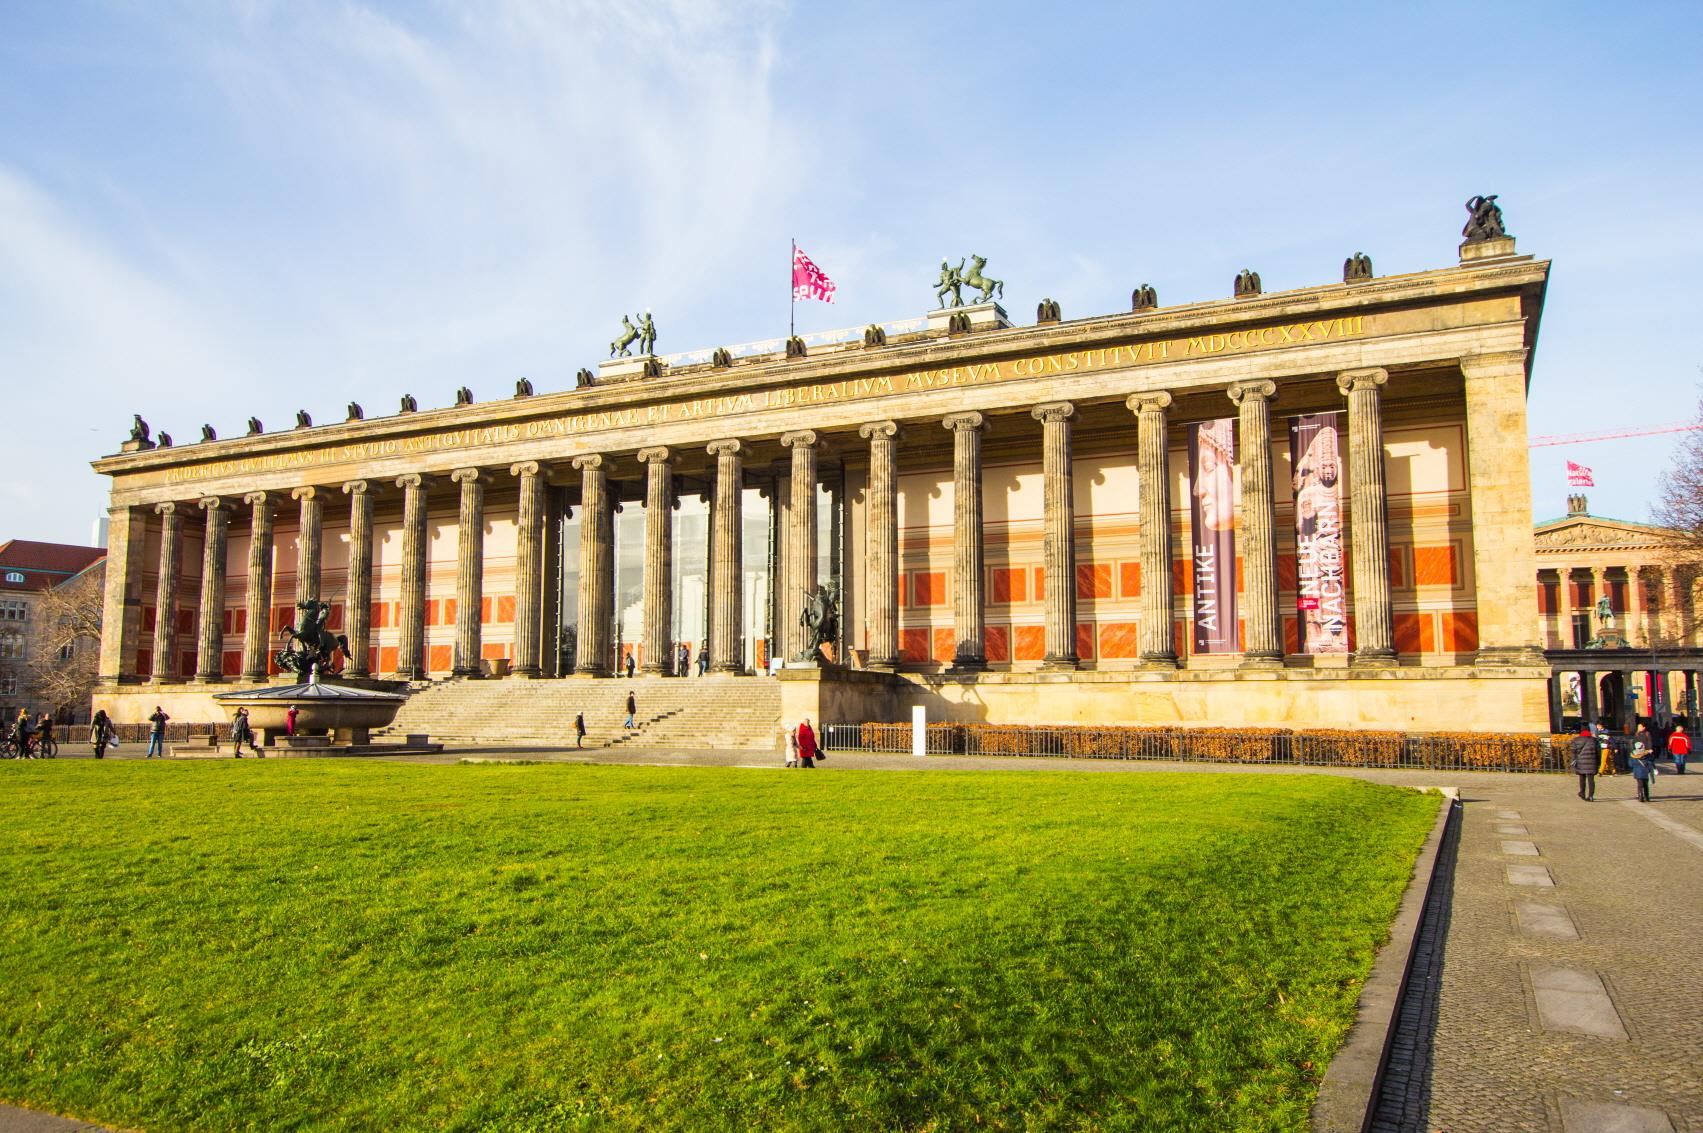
x: 212, y: 210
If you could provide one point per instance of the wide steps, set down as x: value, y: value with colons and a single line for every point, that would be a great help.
x: 731, y: 713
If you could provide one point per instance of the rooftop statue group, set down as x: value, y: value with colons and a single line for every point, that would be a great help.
x: 1484, y: 220
x: 953, y: 280
x: 644, y: 333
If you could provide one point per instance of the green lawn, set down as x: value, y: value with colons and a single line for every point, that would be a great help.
x: 336, y: 945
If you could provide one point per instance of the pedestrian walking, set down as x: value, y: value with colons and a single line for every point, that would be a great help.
x: 242, y: 731
x: 23, y: 732
x: 1643, y: 770
x: 807, y: 751
x: 1679, y: 746
x: 630, y: 665
x: 703, y: 660
x: 46, y: 744
x: 100, y: 733
x: 157, y: 734
x: 632, y: 710
x: 1605, y: 765
x: 683, y: 660
x: 579, y: 729
x: 290, y: 720
x: 790, y: 737
x: 1585, y: 763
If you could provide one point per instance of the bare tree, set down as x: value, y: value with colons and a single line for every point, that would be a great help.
x: 1679, y: 500
x: 64, y: 659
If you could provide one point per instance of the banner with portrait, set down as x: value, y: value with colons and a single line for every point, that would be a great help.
x: 1212, y: 510
x: 1321, y: 588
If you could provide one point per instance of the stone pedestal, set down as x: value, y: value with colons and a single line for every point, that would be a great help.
x: 626, y: 369
x: 982, y: 316
x: 1500, y: 248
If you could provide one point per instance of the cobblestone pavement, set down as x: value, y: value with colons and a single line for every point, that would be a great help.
x: 1567, y: 1007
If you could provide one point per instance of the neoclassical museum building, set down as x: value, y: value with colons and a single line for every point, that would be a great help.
x: 1309, y: 507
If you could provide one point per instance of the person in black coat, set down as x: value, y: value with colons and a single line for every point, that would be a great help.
x: 1585, y: 760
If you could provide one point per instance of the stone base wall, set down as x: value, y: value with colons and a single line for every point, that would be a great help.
x: 1458, y: 698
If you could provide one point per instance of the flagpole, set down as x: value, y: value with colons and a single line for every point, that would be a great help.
x: 792, y: 298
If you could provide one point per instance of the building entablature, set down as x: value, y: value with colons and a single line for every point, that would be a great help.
x: 1425, y: 320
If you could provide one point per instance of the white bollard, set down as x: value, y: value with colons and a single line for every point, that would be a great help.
x: 919, y: 731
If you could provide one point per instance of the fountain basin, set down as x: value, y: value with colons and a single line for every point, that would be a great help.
x: 346, y: 713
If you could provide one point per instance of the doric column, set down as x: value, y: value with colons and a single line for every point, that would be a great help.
x: 1153, y: 467
x: 165, y: 594
x: 596, y: 568
x: 469, y: 571
x: 659, y: 560
x: 968, y: 611
x: 1264, y: 625
x: 800, y: 540
x: 259, y: 596
x: 727, y: 639
x: 528, y: 570
x: 1058, y: 540
x: 1374, y: 644
x: 882, y: 568
x: 411, y: 617
x: 121, y: 608
x: 210, y: 634
x: 357, y: 602
x: 1499, y: 486
x: 308, y: 542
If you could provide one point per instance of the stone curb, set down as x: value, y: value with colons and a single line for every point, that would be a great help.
x: 1348, y: 1096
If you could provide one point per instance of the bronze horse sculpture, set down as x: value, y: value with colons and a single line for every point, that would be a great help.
x: 974, y: 278
x: 309, y: 644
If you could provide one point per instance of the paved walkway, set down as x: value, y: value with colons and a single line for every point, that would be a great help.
x: 1557, y: 988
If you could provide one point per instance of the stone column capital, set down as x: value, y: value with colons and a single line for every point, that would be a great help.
x: 657, y: 454
x: 958, y: 422
x: 258, y: 499
x: 805, y: 437
x: 1254, y: 390
x: 1155, y: 402
x: 592, y: 461
x: 722, y: 447
x: 524, y: 468
x: 468, y: 476
x: 166, y: 508
x: 875, y: 429
x: 356, y: 487
x: 1053, y: 411
x: 214, y: 503
x: 1349, y: 381
x: 307, y: 492
x: 414, y: 480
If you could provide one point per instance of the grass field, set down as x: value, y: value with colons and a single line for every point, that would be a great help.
x: 331, y: 945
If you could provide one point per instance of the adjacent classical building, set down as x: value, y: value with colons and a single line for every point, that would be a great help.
x: 1308, y: 507
x: 1642, y: 659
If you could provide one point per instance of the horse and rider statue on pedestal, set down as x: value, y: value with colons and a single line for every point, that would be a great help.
x: 953, y: 280
x: 309, y: 645
x: 821, y: 621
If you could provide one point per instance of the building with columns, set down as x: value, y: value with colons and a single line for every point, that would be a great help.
x: 1307, y: 507
x: 1643, y: 661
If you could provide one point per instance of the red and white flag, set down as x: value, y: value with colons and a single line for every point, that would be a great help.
x: 1578, y: 476
x: 808, y: 280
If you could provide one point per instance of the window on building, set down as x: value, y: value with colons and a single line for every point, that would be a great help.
x: 14, y: 576
x: 11, y: 644
x: 8, y: 684
x: 14, y: 609
x: 68, y: 651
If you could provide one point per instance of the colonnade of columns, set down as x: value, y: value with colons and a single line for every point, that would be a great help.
x: 1666, y: 622
x: 1264, y: 645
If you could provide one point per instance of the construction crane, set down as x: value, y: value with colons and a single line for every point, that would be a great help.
x: 1610, y: 435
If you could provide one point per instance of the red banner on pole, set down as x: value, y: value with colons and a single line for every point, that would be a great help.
x: 1212, y: 512
x: 1320, y: 584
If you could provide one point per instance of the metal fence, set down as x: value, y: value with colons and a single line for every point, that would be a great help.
x: 1439, y: 751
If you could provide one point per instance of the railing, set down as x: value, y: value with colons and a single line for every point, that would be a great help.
x: 842, y: 336
x: 1447, y: 751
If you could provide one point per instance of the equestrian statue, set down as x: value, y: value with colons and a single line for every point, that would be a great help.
x: 821, y: 621
x: 309, y: 644
x: 953, y: 280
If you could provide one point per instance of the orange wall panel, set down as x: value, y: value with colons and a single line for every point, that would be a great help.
x: 1031, y: 642
x: 1435, y: 566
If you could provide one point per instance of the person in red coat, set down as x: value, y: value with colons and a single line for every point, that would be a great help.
x: 806, y: 744
x: 1679, y: 746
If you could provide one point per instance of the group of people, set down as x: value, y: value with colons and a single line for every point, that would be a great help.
x: 801, y: 747
x: 1596, y: 752
x: 32, y: 737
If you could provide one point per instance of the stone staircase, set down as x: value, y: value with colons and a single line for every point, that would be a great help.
x: 714, y: 712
